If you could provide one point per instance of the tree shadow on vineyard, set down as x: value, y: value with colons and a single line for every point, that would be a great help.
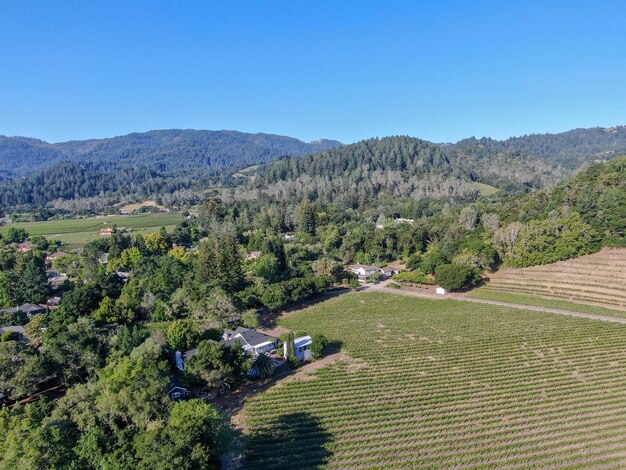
x: 294, y: 440
x: 269, y: 319
x: 233, y: 402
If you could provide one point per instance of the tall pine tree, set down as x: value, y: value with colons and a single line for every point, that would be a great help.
x: 32, y: 285
x: 307, y: 218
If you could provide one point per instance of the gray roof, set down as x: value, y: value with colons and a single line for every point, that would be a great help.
x: 250, y: 337
x: 26, y: 308
x: 15, y: 329
x: 176, y: 384
x: 366, y: 267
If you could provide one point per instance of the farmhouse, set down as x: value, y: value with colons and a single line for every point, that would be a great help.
x: 363, y: 271
x: 105, y: 232
x: 28, y: 309
x: 400, y: 220
x: 289, y: 237
x: 250, y: 340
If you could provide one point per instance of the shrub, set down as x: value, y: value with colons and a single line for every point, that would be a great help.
x: 454, y: 276
x: 394, y: 285
x: 9, y: 336
x: 181, y: 335
x: 250, y: 319
x: 354, y: 284
x: 417, y: 277
x: 318, y: 345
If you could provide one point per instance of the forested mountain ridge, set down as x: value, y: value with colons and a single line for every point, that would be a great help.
x: 400, y: 166
x: 173, y: 151
x: 571, y: 148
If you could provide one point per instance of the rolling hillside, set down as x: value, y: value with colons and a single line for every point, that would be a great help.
x: 571, y: 148
x: 401, y: 166
x: 597, y: 279
x: 172, y: 151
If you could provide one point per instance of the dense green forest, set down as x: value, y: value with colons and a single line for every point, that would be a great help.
x: 172, y: 152
x: 570, y: 149
x: 178, y: 166
x: 74, y: 180
x: 355, y: 175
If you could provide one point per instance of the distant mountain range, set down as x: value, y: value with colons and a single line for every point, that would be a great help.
x: 570, y: 149
x: 173, y: 152
x: 163, y: 162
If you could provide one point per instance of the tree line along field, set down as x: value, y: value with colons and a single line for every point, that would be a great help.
x: 84, y: 230
x: 443, y: 383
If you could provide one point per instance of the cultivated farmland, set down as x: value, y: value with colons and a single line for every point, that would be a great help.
x: 598, y: 279
x: 441, y: 384
x: 75, y: 231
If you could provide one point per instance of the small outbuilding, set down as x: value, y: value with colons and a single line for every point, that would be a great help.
x: 441, y: 291
x: 177, y: 391
x: 303, y: 347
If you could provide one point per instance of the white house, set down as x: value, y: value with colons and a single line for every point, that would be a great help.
x: 440, y: 291
x: 250, y: 340
x: 303, y: 347
x: 363, y: 271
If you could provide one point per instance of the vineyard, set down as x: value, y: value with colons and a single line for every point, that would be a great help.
x: 440, y: 384
x: 598, y: 279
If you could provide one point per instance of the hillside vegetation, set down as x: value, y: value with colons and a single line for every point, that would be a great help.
x: 574, y: 218
x: 447, y: 384
x: 598, y: 279
x: 400, y: 166
x: 156, y: 163
x: 571, y: 148
x: 172, y: 151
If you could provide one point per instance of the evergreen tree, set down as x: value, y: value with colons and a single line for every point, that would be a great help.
x: 220, y: 263
x: 32, y: 285
x: 307, y: 222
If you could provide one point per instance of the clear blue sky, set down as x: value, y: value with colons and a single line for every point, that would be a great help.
x: 347, y: 70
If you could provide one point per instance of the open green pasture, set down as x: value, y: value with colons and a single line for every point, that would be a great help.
x: 83, y: 230
x: 447, y: 384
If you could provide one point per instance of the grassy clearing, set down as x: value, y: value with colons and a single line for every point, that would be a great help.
x: 488, y: 294
x: 82, y: 230
x: 442, y: 384
x: 485, y: 189
x: 139, y: 205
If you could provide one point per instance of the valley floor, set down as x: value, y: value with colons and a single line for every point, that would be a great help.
x: 446, y: 383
